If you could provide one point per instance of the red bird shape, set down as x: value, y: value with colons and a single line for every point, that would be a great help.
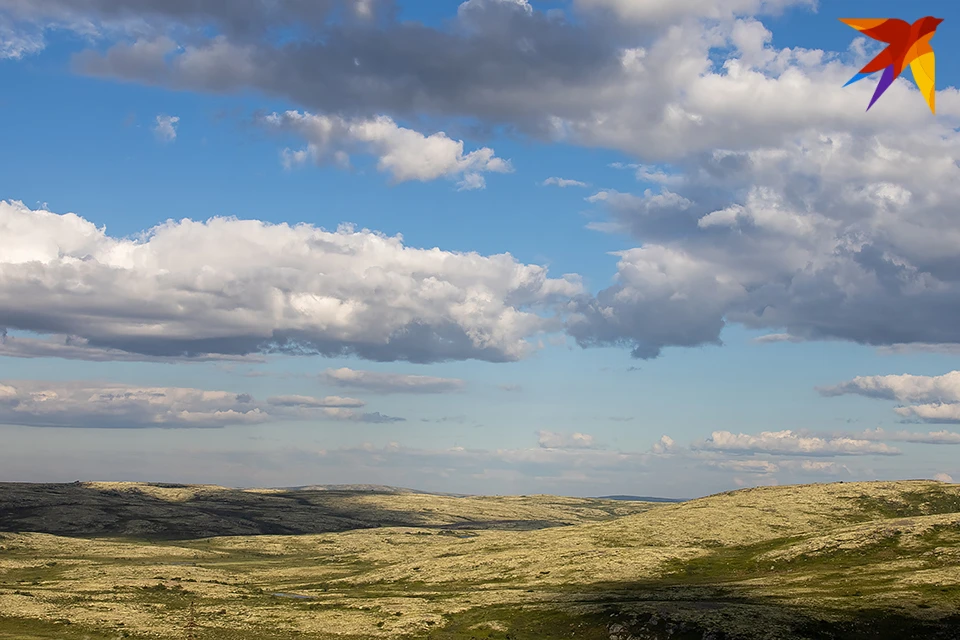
x: 907, y: 44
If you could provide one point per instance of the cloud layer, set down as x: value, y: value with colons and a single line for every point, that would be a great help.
x: 768, y: 199
x: 124, y: 406
x: 236, y: 287
x: 789, y: 443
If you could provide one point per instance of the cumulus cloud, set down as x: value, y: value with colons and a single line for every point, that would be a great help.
x: 790, y: 443
x: 943, y: 477
x: 666, y: 444
x: 936, y: 398
x: 905, y: 388
x: 832, y: 232
x: 166, y: 128
x: 237, y: 287
x: 662, y: 298
x: 125, y: 406
x: 403, y: 153
x: 553, y: 440
x: 934, y: 412
x: 563, y: 182
x: 378, y: 382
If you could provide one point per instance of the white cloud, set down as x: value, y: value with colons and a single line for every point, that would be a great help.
x: 943, y: 477
x: 791, y: 444
x: 127, y: 406
x: 235, y: 287
x: 552, y: 440
x: 905, y: 388
x: 936, y: 398
x: 666, y: 444
x: 663, y: 296
x: 931, y: 437
x: 403, y: 153
x: 563, y: 182
x: 390, y: 382
x: 824, y: 248
x: 933, y: 412
x: 166, y: 128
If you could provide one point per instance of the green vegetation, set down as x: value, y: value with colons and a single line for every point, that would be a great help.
x: 853, y: 560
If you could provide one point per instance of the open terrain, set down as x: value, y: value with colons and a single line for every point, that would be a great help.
x: 849, y: 560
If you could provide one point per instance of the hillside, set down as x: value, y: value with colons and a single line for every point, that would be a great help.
x: 197, y: 511
x: 854, y: 560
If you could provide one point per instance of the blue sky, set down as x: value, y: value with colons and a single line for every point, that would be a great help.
x: 835, y: 241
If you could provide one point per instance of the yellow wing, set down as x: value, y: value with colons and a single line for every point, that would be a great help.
x: 924, y: 68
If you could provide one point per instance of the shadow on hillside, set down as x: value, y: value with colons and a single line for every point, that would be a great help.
x: 656, y: 612
x: 81, y: 511
x: 727, y: 612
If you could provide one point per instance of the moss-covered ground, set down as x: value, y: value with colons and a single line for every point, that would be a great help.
x: 854, y: 560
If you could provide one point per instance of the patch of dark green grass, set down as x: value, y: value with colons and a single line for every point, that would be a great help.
x: 14, y: 628
x: 42, y: 572
x: 948, y: 594
x: 519, y: 623
x: 910, y: 503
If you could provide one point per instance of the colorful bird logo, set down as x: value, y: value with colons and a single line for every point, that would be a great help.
x: 907, y: 44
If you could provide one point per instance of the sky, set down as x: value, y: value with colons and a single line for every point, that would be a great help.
x: 582, y: 247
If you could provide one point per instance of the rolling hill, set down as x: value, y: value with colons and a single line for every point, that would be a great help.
x: 844, y: 560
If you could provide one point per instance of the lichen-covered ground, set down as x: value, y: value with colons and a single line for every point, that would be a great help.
x: 853, y: 560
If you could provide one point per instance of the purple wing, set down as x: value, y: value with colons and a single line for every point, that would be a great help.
x: 885, y: 81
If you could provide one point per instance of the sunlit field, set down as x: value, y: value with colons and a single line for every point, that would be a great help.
x: 879, y: 559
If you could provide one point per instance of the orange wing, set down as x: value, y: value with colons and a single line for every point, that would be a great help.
x: 889, y: 30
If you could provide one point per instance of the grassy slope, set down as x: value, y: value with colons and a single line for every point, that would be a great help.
x: 817, y: 561
x: 190, y: 512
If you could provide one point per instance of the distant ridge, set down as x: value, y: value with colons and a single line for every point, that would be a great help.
x: 385, y: 488
x: 641, y: 498
x: 370, y: 488
x: 179, y: 511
